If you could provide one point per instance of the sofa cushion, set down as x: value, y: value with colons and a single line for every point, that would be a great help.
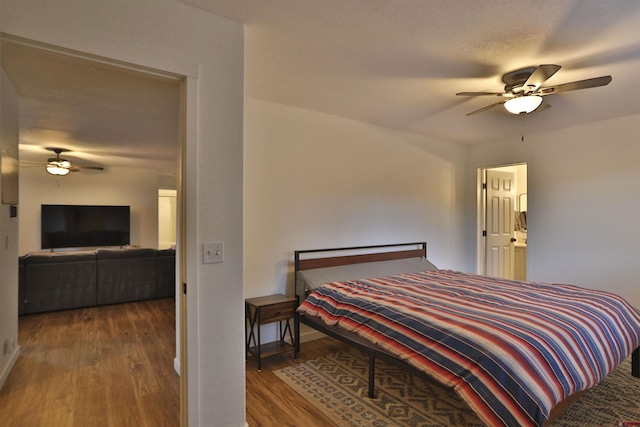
x: 51, y: 281
x: 57, y: 281
x: 56, y: 257
x: 125, y: 275
x: 166, y: 253
x: 124, y: 253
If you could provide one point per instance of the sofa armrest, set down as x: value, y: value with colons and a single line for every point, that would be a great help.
x: 165, y: 273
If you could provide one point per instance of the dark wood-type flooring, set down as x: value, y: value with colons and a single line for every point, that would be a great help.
x: 271, y: 403
x: 99, y: 366
x: 113, y: 366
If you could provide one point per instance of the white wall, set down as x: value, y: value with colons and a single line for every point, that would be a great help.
x: 137, y: 188
x: 170, y: 36
x: 314, y: 180
x: 583, y: 202
x: 8, y: 235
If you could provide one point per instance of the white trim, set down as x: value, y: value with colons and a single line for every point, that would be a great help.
x: 89, y: 57
x: 176, y: 365
x: 480, y: 220
x: 9, y: 367
x: 147, y: 60
x: 113, y: 50
x: 190, y: 200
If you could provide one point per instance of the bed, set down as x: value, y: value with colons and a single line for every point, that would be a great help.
x: 513, y: 360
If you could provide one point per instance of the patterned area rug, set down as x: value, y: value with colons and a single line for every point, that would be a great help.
x: 337, y: 385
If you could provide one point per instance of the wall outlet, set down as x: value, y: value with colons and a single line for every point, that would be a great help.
x: 9, y: 346
x: 212, y: 253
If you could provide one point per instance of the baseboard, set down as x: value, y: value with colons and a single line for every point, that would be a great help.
x: 311, y: 335
x: 7, y: 369
x: 176, y: 365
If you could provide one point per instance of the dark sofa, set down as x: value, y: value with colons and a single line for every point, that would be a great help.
x: 125, y: 275
x: 165, y: 273
x: 59, y: 281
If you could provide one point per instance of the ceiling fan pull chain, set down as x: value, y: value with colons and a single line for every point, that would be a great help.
x: 522, y: 125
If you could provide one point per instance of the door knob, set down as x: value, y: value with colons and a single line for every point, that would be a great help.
x: 513, y: 239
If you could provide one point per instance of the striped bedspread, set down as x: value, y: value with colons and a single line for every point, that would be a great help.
x: 512, y: 350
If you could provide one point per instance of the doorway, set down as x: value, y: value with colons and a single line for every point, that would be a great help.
x: 179, y: 224
x: 502, y: 213
x: 167, y: 218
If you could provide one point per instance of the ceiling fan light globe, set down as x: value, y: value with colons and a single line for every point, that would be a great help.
x: 523, y: 104
x: 57, y: 170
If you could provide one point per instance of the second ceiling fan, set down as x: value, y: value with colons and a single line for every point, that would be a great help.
x: 59, y: 166
x: 523, y: 91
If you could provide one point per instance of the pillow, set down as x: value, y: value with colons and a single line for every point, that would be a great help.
x: 316, y: 277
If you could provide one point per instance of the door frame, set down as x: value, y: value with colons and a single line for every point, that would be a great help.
x: 481, y: 209
x: 186, y: 225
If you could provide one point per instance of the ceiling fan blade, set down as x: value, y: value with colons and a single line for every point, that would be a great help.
x: 580, y: 84
x: 479, y: 93
x: 543, y: 106
x: 77, y: 168
x: 488, y: 107
x: 539, y: 76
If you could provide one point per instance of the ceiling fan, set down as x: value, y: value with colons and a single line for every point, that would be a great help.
x: 523, y: 89
x: 59, y: 166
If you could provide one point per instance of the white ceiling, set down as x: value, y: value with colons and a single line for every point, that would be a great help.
x: 394, y: 63
x: 105, y: 115
x: 399, y: 63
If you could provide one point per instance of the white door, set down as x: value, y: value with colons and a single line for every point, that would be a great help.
x: 500, y: 224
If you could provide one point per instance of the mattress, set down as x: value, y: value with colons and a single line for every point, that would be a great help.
x: 512, y: 350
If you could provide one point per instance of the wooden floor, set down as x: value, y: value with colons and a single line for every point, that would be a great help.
x: 271, y: 403
x: 113, y: 366
x: 100, y: 366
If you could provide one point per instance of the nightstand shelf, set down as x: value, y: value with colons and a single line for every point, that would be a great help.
x: 269, y: 309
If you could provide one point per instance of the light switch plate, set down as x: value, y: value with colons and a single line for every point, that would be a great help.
x: 212, y: 253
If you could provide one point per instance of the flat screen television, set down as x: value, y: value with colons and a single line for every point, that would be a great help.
x: 74, y: 226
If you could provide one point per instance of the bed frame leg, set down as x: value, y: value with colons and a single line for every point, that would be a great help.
x: 635, y: 363
x: 372, y: 373
x: 296, y: 334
